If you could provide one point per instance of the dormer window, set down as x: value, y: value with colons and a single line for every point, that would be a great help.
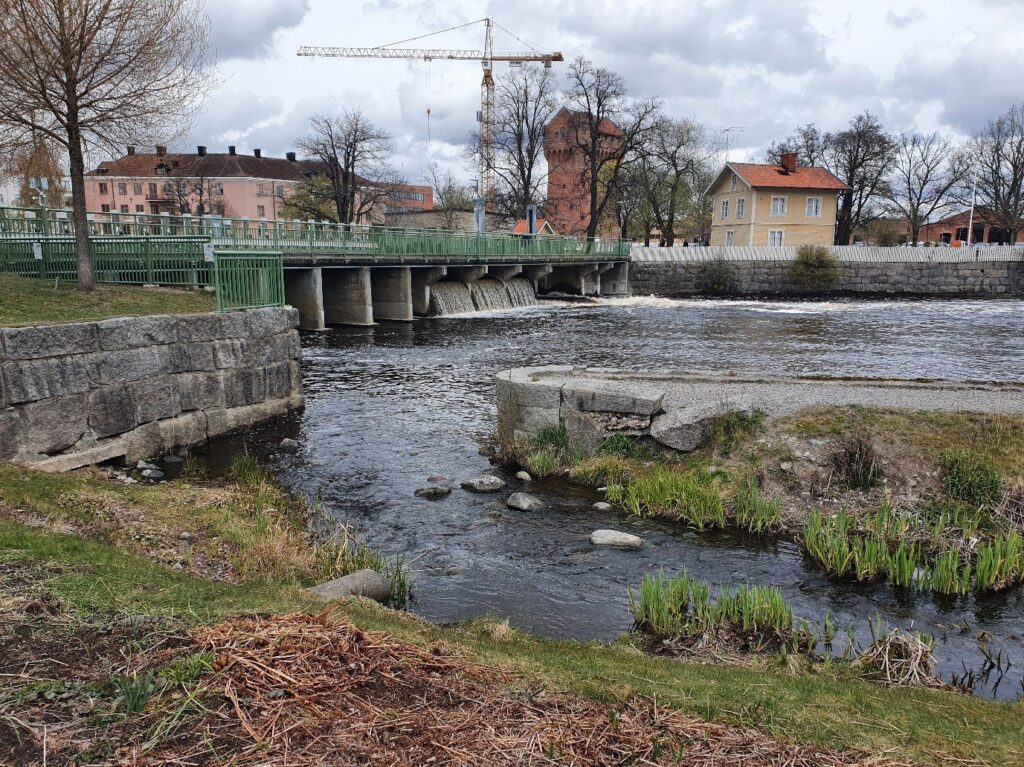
x: 732, y: 183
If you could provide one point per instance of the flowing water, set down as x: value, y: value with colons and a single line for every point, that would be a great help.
x: 390, y: 405
x: 489, y: 295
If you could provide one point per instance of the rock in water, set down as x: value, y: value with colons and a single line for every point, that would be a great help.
x: 524, y: 476
x: 603, y: 506
x: 615, y: 538
x: 288, y: 444
x: 485, y: 483
x: 362, y: 583
x: 433, y: 492
x: 437, y: 478
x: 523, y: 502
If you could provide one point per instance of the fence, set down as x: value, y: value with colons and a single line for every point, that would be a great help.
x: 248, y: 280
x: 310, y: 237
x: 846, y: 254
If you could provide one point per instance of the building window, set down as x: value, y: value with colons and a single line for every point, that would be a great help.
x: 725, y: 209
x: 140, y: 209
x: 152, y: 191
x: 741, y: 205
x: 961, y: 233
x: 137, y: 189
x: 775, y: 238
x: 104, y: 208
x: 261, y: 190
x: 217, y: 189
x: 122, y: 189
x: 261, y: 211
x: 729, y: 238
x: 103, y: 188
x: 779, y: 206
x: 732, y: 183
x: 124, y: 208
x: 813, y: 207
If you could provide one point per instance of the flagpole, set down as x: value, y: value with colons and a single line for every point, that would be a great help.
x: 970, y: 220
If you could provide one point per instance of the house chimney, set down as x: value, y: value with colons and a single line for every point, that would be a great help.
x: 160, y: 150
x: 231, y: 151
x: 201, y: 151
x: 789, y: 162
x: 131, y: 150
x: 290, y: 156
x: 256, y: 153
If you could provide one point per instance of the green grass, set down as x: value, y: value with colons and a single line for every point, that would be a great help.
x: 687, y: 496
x: 827, y: 707
x: 972, y: 477
x: 25, y: 301
x: 755, y: 513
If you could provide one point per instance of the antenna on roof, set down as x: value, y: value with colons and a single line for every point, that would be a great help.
x: 728, y: 137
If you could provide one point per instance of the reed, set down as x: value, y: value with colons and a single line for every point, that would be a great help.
x: 999, y: 563
x: 870, y: 555
x: 949, y: 573
x: 689, y: 496
x: 828, y: 542
x: 902, y: 564
x: 755, y: 513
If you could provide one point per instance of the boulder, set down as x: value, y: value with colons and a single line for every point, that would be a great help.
x: 362, y: 583
x: 524, y: 476
x: 524, y: 502
x: 289, y: 444
x: 433, y: 492
x: 437, y: 478
x: 485, y: 483
x: 603, y: 506
x: 616, y: 538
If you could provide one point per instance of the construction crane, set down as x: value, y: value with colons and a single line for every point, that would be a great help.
x: 486, y: 57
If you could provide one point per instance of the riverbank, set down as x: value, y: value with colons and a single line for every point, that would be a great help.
x: 25, y: 301
x: 121, y: 637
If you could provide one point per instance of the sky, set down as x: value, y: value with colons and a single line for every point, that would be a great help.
x: 764, y: 66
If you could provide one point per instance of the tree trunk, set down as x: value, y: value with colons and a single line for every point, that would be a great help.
x: 843, y: 224
x: 915, y: 234
x: 86, y: 282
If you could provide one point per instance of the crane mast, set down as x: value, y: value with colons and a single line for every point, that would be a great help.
x: 486, y: 57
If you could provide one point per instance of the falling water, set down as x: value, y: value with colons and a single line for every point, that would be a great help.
x: 520, y: 292
x: 450, y: 297
x: 489, y: 294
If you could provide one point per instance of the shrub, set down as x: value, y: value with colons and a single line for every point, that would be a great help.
x: 719, y: 276
x: 815, y: 268
x: 972, y: 477
x: 857, y: 462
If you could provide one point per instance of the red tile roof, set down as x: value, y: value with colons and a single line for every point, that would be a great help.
x: 776, y: 177
x: 520, y: 227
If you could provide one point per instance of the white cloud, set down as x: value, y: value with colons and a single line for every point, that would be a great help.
x: 247, y: 30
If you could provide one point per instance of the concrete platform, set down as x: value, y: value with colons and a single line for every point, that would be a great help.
x: 676, y: 408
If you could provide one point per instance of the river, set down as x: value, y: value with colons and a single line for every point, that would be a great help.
x: 390, y: 405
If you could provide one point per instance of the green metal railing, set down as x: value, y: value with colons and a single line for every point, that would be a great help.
x: 248, y: 280
x: 312, y: 239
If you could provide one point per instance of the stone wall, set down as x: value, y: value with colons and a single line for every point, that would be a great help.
x: 136, y: 387
x: 748, y: 271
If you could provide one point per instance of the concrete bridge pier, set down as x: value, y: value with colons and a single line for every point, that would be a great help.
x: 505, y: 272
x: 537, y: 273
x: 303, y: 289
x: 466, y: 274
x: 347, y: 296
x: 391, y: 293
x: 422, y: 278
x: 615, y: 279
x: 582, y: 278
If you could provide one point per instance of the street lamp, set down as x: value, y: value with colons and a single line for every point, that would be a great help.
x: 970, y: 220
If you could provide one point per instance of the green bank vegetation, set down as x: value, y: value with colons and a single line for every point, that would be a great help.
x: 930, y: 501
x: 28, y: 301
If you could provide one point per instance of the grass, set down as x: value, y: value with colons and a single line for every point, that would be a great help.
x: 828, y: 707
x: 691, y: 496
x: 27, y: 301
x: 858, y: 464
x: 972, y: 477
x: 755, y: 513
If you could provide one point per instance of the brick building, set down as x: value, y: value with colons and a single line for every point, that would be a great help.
x: 228, y: 184
x: 953, y: 229
x: 568, y: 205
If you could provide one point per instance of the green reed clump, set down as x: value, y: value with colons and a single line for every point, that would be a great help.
x: 754, y: 609
x: 601, y: 470
x: 870, y: 557
x: 944, y: 519
x: 999, y: 562
x: 858, y: 463
x: 550, y: 451
x: 828, y: 541
x: 902, y: 564
x: 949, y: 573
x: 755, y: 513
x: 972, y: 477
x: 690, y: 496
x: 133, y: 691
x: 625, y: 446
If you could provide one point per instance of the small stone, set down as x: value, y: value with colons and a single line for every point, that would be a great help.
x: 602, y: 489
x: 144, y: 464
x: 485, y: 483
x: 133, y: 621
x: 153, y: 474
x: 364, y: 583
x: 185, y: 536
x: 524, y: 502
x: 288, y: 443
x: 433, y: 492
x: 786, y: 466
x: 603, y: 506
x: 616, y: 538
x: 172, y: 458
x: 437, y: 478
x: 524, y: 476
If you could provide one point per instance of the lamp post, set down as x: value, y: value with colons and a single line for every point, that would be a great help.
x: 970, y: 219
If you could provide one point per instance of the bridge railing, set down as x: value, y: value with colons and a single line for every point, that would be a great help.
x: 309, y: 237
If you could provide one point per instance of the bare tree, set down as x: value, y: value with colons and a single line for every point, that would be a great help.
x: 197, y: 195
x: 807, y: 141
x: 996, y: 159
x: 605, y: 128
x: 99, y: 73
x: 450, y: 197
x: 39, y: 159
x: 924, y: 171
x: 354, y: 154
x: 524, y: 104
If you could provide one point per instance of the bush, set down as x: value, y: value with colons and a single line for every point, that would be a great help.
x: 815, y: 268
x: 719, y: 276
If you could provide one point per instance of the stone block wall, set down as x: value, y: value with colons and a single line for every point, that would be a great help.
x: 136, y: 387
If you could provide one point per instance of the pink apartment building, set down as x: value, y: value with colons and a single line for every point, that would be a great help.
x: 231, y: 184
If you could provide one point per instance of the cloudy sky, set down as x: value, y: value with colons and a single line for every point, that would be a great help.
x: 765, y: 65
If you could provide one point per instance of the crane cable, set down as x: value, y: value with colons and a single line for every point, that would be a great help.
x: 428, y: 105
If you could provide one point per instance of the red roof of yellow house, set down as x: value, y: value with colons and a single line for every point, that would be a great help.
x: 777, y: 177
x: 520, y: 227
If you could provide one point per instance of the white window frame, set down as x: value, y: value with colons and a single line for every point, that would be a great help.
x: 785, y: 206
x: 732, y: 182
x: 741, y: 207
x: 781, y: 237
x: 730, y: 238
x: 807, y: 207
x: 725, y: 209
